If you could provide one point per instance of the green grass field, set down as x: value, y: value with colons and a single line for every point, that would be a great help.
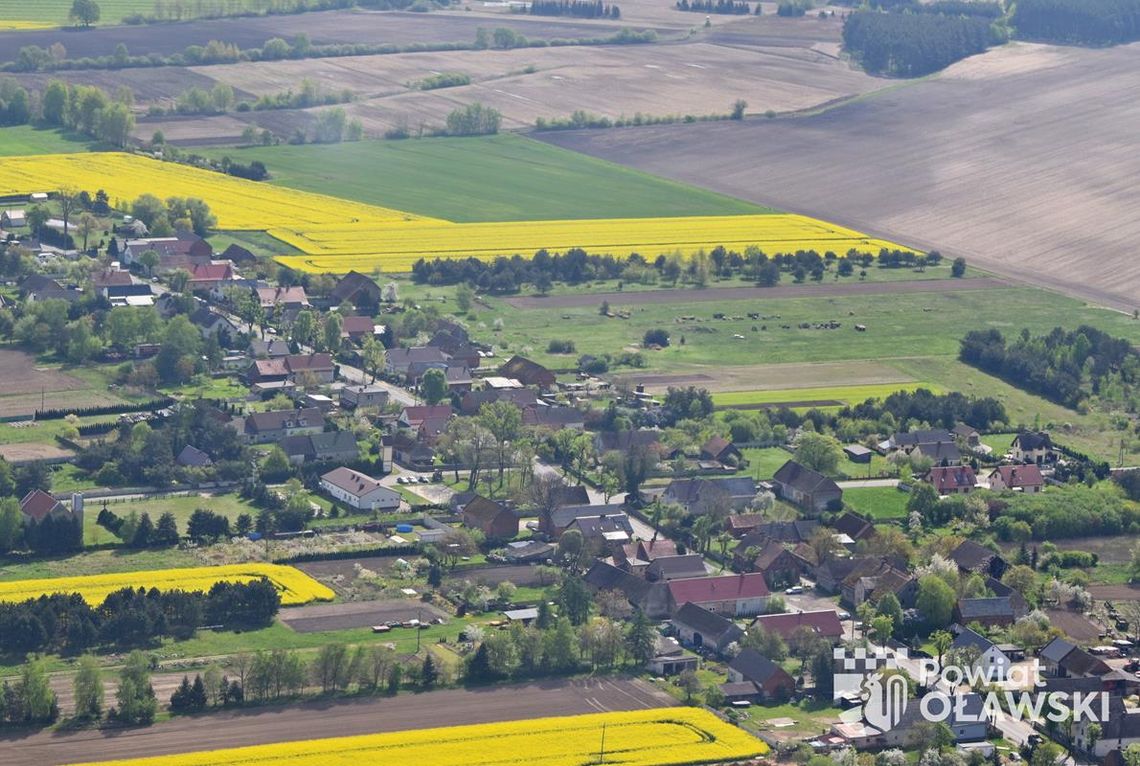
x: 230, y: 506
x: 763, y: 462
x: 497, y: 178
x: 55, y: 11
x: 844, y: 394
x: 24, y: 139
x: 877, y: 502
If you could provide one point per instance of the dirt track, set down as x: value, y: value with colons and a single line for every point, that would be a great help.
x: 695, y: 295
x: 333, y: 719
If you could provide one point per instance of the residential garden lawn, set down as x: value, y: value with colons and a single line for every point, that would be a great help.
x: 24, y: 139
x: 45, y: 431
x: 999, y: 443
x: 206, y: 387
x: 450, y: 178
x: 809, y: 716
x: 182, y: 506
x: 763, y: 462
x: 877, y: 502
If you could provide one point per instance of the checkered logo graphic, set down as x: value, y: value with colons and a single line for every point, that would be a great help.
x: 862, y: 673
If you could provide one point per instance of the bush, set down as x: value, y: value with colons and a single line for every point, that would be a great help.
x: 561, y: 347
x: 656, y: 337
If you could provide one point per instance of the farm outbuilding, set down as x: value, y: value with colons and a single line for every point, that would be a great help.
x: 857, y: 453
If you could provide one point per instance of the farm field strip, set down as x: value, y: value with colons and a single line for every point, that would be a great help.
x: 339, y: 235
x: 239, y: 204
x: 842, y: 394
x: 361, y: 247
x: 658, y: 737
x: 295, y: 586
x: 37, y: 14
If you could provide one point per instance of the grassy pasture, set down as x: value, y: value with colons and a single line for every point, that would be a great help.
x: 496, y: 178
x: 54, y: 12
x: 842, y: 394
x: 182, y: 506
x: 24, y: 139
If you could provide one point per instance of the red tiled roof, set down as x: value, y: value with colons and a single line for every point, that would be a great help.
x: 700, y: 590
x: 823, y: 623
x: 1020, y: 475
x: 212, y: 272
x: 953, y: 477
x: 37, y: 504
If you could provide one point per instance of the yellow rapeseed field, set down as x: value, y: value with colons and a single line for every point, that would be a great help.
x: 295, y: 586
x: 338, y: 235
x: 363, y: 245
x: 663, y: 737
x: 9, y: 25
x: 238, y: 204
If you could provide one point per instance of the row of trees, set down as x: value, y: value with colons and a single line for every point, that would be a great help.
x: 914, y: 44
x: 582, y: 9
x: 66, y: 624
x: 574, y: 266
x: 728, y: 7
x: 1064, y: 366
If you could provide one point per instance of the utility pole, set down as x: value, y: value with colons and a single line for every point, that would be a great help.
x: 602, y: 752
x: 419, y: 615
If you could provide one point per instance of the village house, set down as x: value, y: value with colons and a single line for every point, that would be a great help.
x: 352, y: 397
x: 908, y: 440
x: 268, y: 349
x: 40, y: 288
x: 490, y: 518
x: 528, y: 373
x: 985, y: 655
x: 742, y: 595
x: 853, y: 525
x: 292, y: 368
x: 398, y: 361
x: 1034, y: 448
x: 37, y: 505
x: 359, y: 329
x: 554, y: 521
x: 650, y: 598
x: 13, y: 218
x: 339, y: 446
x: 966, y: 723
x: 1062, y: 659
x: 873, y: 581
x: 192, y: 457
x: 648, y: 440
x: 823, y: 623
x: 212, y: 278
x: 211, y: 324
x: 722, y: 451
x: 1118, y: 731
x: 938, y: 453
x: 989, y: 612
x: 410, y: 451
x: 416, y: 416
x: 952, y: 480
x: 702, y: 629
x: 676, y: 567
x: 754, y: 677
x: 238, y: 255
x: 806, y: 488
x: 601, y: 532
x: 554, y: 418
x: 636, y: 556
x: 274, y: 299
x: 700, y: 496
x: 974, y: 558
x: 780, y: 566
x: 670, y: 658
x: 740, y: 524
x: 523, y: 398
x: 967, y: 435
x: 267, y: 427
x: 1017, y: 478
x: 359, y: 491
x: 356, y: 289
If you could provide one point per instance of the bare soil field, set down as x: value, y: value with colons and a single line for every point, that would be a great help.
x: 357, y: 614
x: 696, y: 77
x: 27, y: 453
x: 159, y: 85
x: 772, y: 377
x: 397, y: 28
x: 695, y: 294
x: 1016, y: 159
x: 25, y: 384
x: 520, y: 575
x: 1109, y: 550
x: 325, y: 718
x: 1115, y: 592
x: 1075, y: 626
